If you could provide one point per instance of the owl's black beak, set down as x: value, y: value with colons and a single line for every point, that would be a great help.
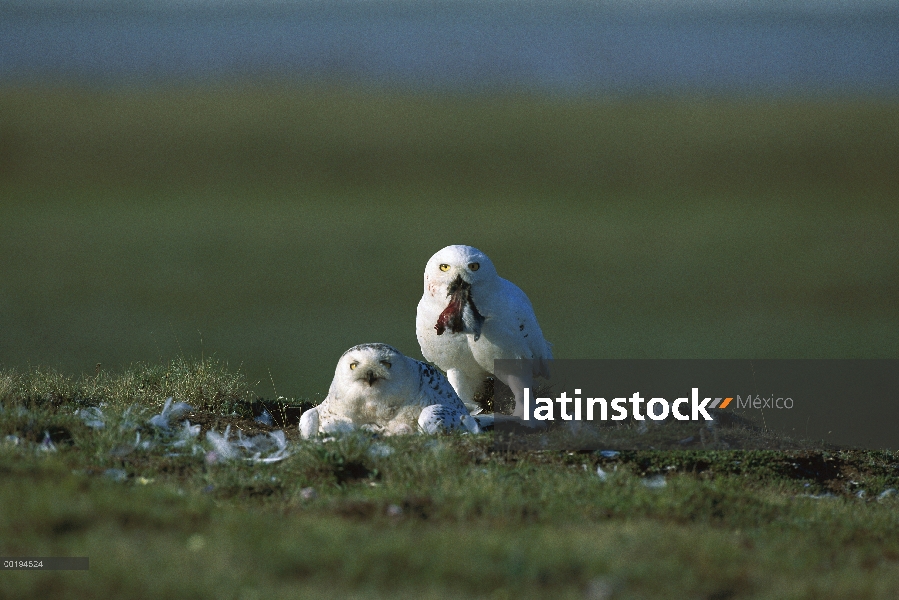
x: 458, y: 286
x: 370, y: 377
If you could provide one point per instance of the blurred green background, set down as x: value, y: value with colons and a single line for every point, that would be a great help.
x: 273, y: 226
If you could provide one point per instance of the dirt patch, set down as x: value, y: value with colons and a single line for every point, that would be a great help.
x: 843, y: 473
x: 420, y: 507
x: 351, y: 472
x: 283, y: 416
x: 358, y: 509
x: 257, y: 491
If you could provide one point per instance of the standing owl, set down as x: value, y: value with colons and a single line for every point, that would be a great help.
x: 377, y: 388
x: 469, y: 316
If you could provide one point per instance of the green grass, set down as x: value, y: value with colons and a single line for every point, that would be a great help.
x: 276, y: 227
x: 439, y: 516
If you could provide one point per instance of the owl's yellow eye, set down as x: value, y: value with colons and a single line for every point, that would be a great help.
x: 386, y: 363
x: 474, y: 266
x: 353, y: 366
x: 444, y: 267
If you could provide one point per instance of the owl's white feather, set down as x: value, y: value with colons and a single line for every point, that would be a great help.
x: 469, y: 316
x: 376, y: 388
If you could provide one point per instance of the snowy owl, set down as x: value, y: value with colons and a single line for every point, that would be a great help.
x: 378, y: 389
x: 469, y: 316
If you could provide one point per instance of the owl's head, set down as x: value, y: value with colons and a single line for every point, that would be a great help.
x: 373, y: 372
x: 455, y: 264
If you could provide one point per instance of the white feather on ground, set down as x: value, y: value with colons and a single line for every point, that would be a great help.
x: 252, y: 449
x: 92, y: 416
x: 170, y: 412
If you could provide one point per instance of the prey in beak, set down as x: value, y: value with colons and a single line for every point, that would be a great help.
x: 461, y: 315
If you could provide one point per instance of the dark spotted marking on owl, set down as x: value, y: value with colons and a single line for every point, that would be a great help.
x: 428, y: 370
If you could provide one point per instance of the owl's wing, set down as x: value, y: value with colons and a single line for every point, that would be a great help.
x: 521, y: 330
x: 325, y: 417
x: 443, y: 409
x: 438, y: 418
x: 309, y: 423
x: 435, y: 388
